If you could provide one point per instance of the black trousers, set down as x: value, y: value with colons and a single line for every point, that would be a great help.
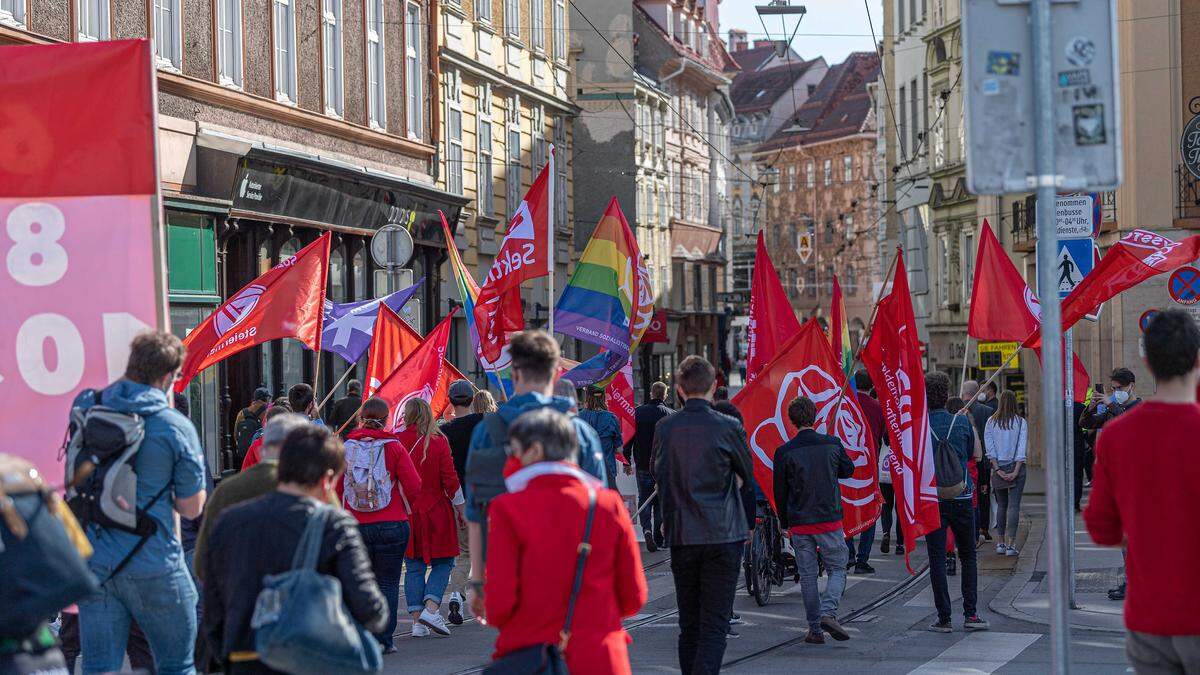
x: 959, y: 517
x: 705, y: 581
x: 889, y: 511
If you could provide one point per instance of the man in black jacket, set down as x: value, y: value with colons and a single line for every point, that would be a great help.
x: 703, y: 468
x: 637, y: 451
x: 807, y: 469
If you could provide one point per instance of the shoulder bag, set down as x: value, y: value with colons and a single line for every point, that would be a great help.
x: 547, y: 658
x: 999, y: 483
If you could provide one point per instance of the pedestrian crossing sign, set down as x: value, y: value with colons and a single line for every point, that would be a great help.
x: 1073, y: 262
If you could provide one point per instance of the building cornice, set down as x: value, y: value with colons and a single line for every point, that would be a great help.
x: 478, y: 69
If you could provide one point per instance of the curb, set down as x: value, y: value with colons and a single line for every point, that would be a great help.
x: 1002, y: 603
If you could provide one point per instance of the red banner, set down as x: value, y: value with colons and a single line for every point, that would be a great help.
x: 82, y: 266
x: 419, y: 376
x: 389, y: 343
x: 893, y: 357
x: 657, y: 330
x: 285, y: 302
x: 772, y: 320
x: 808, y: 367
x: 620, y: 401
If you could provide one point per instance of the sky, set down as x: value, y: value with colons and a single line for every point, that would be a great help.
x: 832, y: 28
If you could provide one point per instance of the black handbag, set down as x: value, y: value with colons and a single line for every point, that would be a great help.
x: 547, y: 658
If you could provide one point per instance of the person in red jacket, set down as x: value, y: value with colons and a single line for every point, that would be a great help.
x: 1144, y: 495
x: 533, y: 544
x: 436, y: 511
x: 378, y: 489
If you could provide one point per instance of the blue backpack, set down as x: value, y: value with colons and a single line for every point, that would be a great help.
x: 300, y: 623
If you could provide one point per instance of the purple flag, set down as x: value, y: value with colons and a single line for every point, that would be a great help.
x: 348, y: 326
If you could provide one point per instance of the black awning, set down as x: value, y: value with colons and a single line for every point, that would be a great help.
x: 291, y: 187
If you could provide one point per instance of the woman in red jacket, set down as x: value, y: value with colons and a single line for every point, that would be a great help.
x: 434, y: 541
x: 533, y: 540
x: 378, y: 488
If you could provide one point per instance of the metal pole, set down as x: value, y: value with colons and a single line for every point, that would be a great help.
x: 1069, y: 461
x: 553, y: 243
x: 1052, y: 356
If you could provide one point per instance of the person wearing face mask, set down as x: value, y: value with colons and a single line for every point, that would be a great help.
x: 1102, y: 409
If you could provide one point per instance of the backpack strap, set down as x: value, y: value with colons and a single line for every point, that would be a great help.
x: 141, y: 542
x: 309, y: 546
x: 585, y: 547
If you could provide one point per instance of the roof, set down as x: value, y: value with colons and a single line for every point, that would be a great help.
x: 839, y: 106
x: 753, y: 58
x: 757, y: 91
x: 717, y: 58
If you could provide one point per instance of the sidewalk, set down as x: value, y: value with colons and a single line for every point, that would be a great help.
x: 1097, y: 569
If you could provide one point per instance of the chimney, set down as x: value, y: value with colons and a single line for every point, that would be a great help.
x: 763, y: 43
x: 737, y: 40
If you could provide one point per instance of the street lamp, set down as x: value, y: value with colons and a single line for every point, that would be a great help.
x: 785, y: 10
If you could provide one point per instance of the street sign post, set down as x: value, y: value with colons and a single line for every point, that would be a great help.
x: 999, y: 85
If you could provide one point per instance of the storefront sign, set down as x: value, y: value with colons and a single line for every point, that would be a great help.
x: 83, y: 269
x: 1189, y: 140
x: 993, y: 355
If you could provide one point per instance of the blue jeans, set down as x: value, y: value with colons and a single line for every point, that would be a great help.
x: 866, y: 539
x: 835, y: 553
x: 418, y: 588
x: 651, y: 516
x: 386, y: 543
x: 164, y: 605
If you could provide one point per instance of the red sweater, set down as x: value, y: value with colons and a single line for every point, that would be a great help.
x: 533, y: 538
x: 404, y: 477
x: 1144, y: 493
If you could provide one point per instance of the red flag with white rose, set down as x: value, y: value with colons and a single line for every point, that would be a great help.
x: 420, y: 375
x: 807, y: 366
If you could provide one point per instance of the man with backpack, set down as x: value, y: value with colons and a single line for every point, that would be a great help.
x: 954, y: 443
x: 248, y: 422
x: 138, y: 558
x: 535, y: 356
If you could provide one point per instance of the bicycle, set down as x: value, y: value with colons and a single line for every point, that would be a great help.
x: 766, y: 563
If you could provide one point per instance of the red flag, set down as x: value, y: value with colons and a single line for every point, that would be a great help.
x: 392, y: 341
x: 620, y: 401
x: 807, y: 366
x: 419, y: 375
x: 1004, y: 308
x: 524, y: 254
x: 772, y: 321
x: 1138, y: 256
x: 893, y: 357
x: 285, y: 302
x: 657, y: 330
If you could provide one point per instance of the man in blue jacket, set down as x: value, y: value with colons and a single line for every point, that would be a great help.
x: 535, y: 356
x: 154, y: 586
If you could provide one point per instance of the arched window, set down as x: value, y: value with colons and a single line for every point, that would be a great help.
x: 360, y: 275
x: 292, y: 351
x: 337, y: 275
x: 738, y: 225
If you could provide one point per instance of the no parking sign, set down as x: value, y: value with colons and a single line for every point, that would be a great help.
x: 1184, y: 285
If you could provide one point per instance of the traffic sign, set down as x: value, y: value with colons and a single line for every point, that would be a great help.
x: 1144, y: 321
x: 804, y: 247
x: 1073, y: 216
x: 1184, y: 285
x: 1073, y: 263
x: 992, y: 355
x: 999, y: 74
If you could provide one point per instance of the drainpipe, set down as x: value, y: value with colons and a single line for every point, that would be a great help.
x: 435, y: 91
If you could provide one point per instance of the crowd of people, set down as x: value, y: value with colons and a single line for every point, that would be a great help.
x: 451, y: 519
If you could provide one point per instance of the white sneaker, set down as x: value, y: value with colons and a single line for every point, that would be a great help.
x: 434, y: 622
x: 419, y: 630
x: 1001, y: 549
x: 1012, y: 550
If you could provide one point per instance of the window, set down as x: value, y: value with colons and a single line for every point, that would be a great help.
x: 413, y: 70
x: 559, y: 26
x: 851, y: 280
x: 916, y: 116
x: 12, y: 12
x: 697, y: 287
x: 537, y: 132
x: 331, y: 31
x: 828, y: 168
x: 776, y: 180
x: 285, y: 50
x: 454, y: 131
x: 737, y: 216
x: 513, y: 173
x: 847, y: 169
x: 376, y: 83
x: 229, y: 42
x: 828, y: 282
x: 483, y: 10
x: 93, y: 19
x: 968, y: 258
x: 829, y: 232
x: 791, y: 178
x: 810, y: 282
x: 711, y: 296
x: 537, y: 25
x: 560, y: 171
x: 902, y: 132
x: 166, y: 32
x: 484, y: 194
x: 900, y: 14
x: 925, y: 105
x: 512, y: 19
x: 677, y: 284
x: 676, y: 179
x: 944, y: 268
x: 810, y: 175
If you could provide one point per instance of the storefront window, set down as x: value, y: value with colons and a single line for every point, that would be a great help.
x: 267, y: 351
x: 292, y: 350
x: 360, y: 275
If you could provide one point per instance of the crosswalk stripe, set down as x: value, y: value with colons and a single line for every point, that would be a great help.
x: 979, y: 653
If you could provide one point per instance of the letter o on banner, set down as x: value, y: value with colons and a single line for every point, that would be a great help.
x: 31, y: 359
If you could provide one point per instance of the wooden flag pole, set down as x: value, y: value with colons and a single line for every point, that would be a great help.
x: 335, y: 387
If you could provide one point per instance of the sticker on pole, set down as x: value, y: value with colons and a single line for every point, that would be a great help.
x: 1073, y: 263
x: 1146, y: 318
x: 1184, y: 285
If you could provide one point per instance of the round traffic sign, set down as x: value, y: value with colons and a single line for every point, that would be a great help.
x: 391, y: 246
x: 1184, y: 285
x: 1147, y: 316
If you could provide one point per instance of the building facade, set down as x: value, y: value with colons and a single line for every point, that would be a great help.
x: 279, y: 120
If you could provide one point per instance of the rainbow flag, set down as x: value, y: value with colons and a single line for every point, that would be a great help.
x: 609, y: 301
x: 839, y: 331
x: 498, y: 371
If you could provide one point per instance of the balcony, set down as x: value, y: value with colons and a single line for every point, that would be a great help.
x: 1021, y: 221
x: 1187, y: 194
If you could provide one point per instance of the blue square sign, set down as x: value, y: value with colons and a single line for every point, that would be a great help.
x: 1073, y: 262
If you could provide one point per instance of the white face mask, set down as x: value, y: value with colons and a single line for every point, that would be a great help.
x: 1120, y: 396
x: 982, y: 396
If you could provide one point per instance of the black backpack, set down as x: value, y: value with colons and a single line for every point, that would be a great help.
x: 485, y: 465
x: 100, y: 479
x: 948, y: 469
x: 245, y: 432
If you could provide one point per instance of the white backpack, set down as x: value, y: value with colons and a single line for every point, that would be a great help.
x: 368, y: 485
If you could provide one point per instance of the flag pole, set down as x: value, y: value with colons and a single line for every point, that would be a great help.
x: 335, y: 386
x: 317, y: 373
x: 553, y: 199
